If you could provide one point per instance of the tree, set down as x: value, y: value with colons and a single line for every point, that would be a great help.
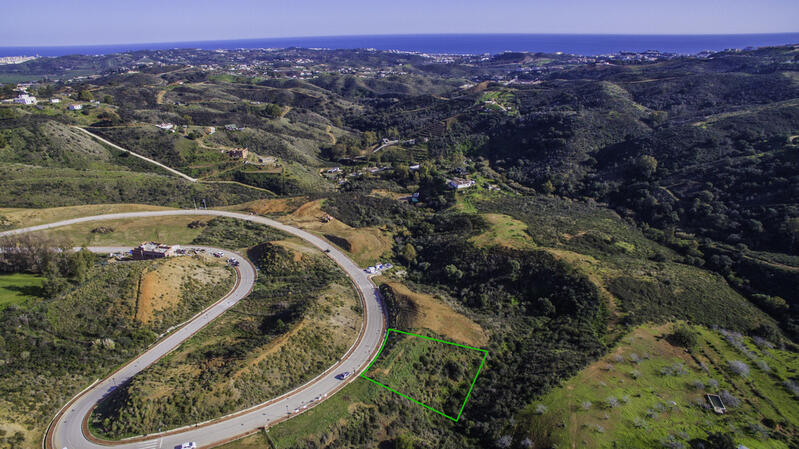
x: 403, y: 441
x: 108, y: 99
x: 271, y: 111
x: 45, y: 91
x: 713, y: 441
x: 453, y: 272
x: 110, y: 117
x: 369, y: 138
x: 8, y: 91
x: 646, y: 165
x: 408, y: 253
x: 683, y: 336
x: 547, y: 187
x: 85, y: 95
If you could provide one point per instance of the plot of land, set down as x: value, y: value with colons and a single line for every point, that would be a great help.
x: 433, y: 373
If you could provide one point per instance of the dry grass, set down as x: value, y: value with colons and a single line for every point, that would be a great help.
x: 365, y: 245
x: 162, y: 287
x: 31, y: 217
x: 388, y: 194
x: 169, y: 229
x: 276, y: 206
x: 433, y: 314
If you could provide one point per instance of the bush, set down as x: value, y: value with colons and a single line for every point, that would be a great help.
x: 683, y: 336
x: 738, y: 367
x: 729, y: 400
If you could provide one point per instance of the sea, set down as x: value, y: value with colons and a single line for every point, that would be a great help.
x: 474, y: 44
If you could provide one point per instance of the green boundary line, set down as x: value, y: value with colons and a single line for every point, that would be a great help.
x: 471, y: 387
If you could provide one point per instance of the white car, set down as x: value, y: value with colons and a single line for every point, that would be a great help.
x: 189, y: 445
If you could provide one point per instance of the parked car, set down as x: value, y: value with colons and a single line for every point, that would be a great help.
x: 189, y: 445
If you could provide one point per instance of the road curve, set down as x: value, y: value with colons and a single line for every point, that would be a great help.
x: 69, y: 430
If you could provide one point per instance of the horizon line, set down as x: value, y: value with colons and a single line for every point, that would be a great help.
x: 325, y: 36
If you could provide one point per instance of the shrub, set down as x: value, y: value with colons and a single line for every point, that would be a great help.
x: 697, y: 385
x: 738, y: 367
x: 791, y: 387
x: 586, y: 405
x: 505, y: 442
x: 611, y: 402
x: 683, y: 336
x: 729, y: 400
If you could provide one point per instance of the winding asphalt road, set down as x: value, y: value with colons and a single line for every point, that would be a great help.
x: 69, y: 430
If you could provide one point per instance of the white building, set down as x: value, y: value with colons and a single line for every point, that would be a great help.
x: 55, y: 100
x: 165, y: 126
x: 459, y: 183
x: 75, y: 107
x: 25, y: 99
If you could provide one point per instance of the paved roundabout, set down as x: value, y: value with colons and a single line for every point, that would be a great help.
x: 69, y: 427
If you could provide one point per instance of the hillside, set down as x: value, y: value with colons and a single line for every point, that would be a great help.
x: 607, y: 210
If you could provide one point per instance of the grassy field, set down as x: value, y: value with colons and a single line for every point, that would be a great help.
x: 19, y: 287
x: 170, y: 229
x: 504, y: 231
x: 650, y: 393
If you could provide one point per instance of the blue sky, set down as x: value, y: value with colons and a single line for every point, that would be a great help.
x: 93, y: 22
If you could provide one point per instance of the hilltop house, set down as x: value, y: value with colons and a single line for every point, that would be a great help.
x: 55, y: 100
x: 460, y: 183
x: 75, y: 107
x: 165, y: 126
x: 238, y: 153
x: 153, y: 250
x: 25, y: 99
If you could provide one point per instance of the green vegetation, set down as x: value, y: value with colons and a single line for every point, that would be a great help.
x: 20, y: 287
x: 231, y: 233
x: 648, y: 393
x: 51, y: 349
x: 27, y: 186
